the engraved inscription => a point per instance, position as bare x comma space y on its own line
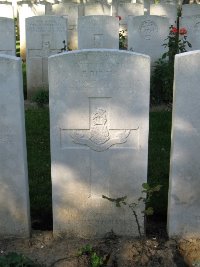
148, 29
45, 26
98, 137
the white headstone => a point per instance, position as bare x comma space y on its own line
14, 196
98, 32
71, 12
192, 25
27, 10
190, 10
45, 36
7, 36
99, 139
146, 35
184, 186
129, 9
165, 10
91, 9
6, 10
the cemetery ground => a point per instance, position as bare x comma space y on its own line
154, 250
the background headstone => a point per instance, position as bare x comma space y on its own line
71, 11
91, 9
98, 32
26, 10
146, 35
165, 10
14, 196
190, 10
129, 9
44, 37
192, 25
184, 186
99, 139
7, 36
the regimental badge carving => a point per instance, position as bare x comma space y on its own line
99, 137
148, 28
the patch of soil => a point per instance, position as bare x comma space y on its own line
116, 251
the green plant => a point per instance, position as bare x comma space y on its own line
13, 259
123, 39
41, 97
163, 73
147, 193
95, 260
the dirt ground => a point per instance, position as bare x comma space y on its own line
116, 251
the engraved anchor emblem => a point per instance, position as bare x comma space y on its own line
99, 138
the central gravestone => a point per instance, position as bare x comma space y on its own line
99, 139
44, 37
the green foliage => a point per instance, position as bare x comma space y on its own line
163, 72
41, 97
95, 260
123, 39
13, 259
148, 191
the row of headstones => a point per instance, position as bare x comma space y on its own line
73, 11
99, 124
45, 36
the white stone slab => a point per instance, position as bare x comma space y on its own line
7, 36
14, 196
98, 32
184, 186
99, 139
146, 35
45, 36
192, 25
129, 9
71, 11
27, 10
190, 10
165, 10
6, 10
97, 9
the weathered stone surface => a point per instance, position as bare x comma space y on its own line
99, 139
7, 36
71, 11
27, 10
192, 25
166, 10
91, 9
146, 35
190, 10
184, 186
44, 37
14, 198
98, 32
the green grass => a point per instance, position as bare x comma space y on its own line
159, 155
38, 150
37, 129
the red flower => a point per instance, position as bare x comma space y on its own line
119, 17
182, 31
174, 30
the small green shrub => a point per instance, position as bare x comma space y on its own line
41, 97
13, 259
95, 260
